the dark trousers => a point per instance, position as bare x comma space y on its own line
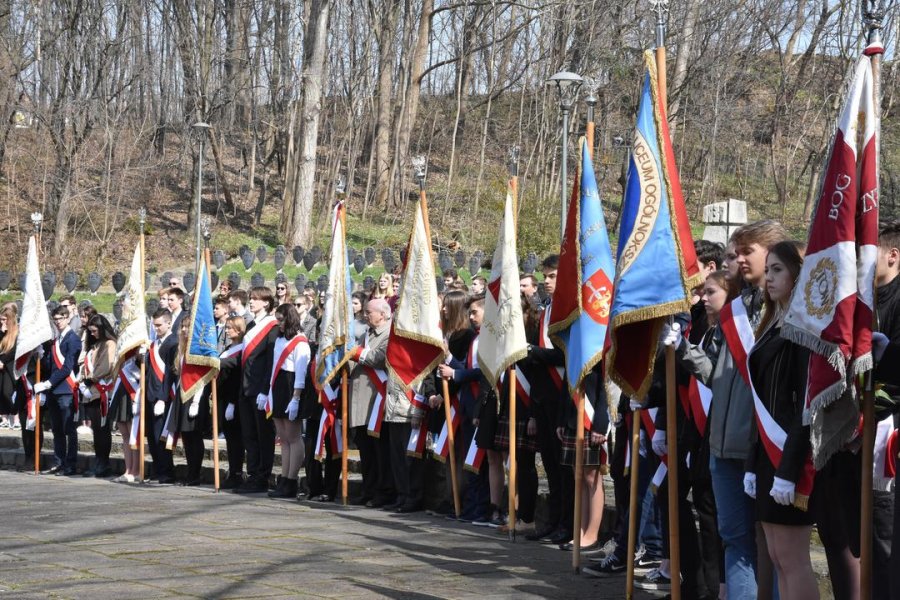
65, 434
526, 485
476, 497
102, 435
408, 472
693, 585
370, 465
28, 436
234, 440
712, 554
321, 477
193, 453
163, 466
258, 433
550, 448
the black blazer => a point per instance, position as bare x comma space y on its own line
156, 388
257, 370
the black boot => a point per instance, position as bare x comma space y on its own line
278, 492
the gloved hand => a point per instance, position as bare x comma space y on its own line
671, 335
84, 390
634, 404
879, 345
783, 491
143, 349
159, 408
293, 408
135, 408
750, 484
40, 352
42, 398
659, 442
229, 412
194, 408
261, 401
41, 387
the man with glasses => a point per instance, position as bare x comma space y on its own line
59, 393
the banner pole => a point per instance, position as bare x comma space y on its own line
215, 398
672, 473
142, 396
513, 467
633, 502
579, 483
37, 420
345, 459
451, 440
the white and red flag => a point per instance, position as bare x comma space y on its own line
34, 325
501, 341
831, 308
416, 343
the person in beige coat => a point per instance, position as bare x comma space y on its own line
369, 365
95, 377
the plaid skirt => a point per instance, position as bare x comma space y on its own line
594, 456
523, 440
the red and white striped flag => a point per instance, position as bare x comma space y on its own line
831, 308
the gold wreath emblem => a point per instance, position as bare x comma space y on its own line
821, 287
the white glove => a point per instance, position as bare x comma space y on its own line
229, 412
143, 349
635, 405
84, 390
194, 408
293, 408
659, 442
40, 352
783, 491
261, 401
41, 387
671, 335
159, 408
42, 398
879, 345
750, 484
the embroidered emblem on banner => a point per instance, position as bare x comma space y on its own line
820, 288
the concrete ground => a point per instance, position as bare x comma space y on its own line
74, 537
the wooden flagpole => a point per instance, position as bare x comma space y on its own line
345, 459
579, 483
37, 368
873, 13
451, 449
143, 393
633, 502
513, 466
215, 398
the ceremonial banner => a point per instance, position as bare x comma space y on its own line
416, 343
501, 341
831, 307
584, 286
201, 361
34, 325
133, 331
657, 265
336, 341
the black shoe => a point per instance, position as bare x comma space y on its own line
231, 482
52, 470
278, 492
166, 481
192, 482
591, 549
102, 473
541, 535
410, 508
360, 501
375, 503
88, 473
252, 487
560, 537
392, 506
70, 472
323, 498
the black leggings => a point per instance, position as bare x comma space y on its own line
102, 434
193, 453
526, 485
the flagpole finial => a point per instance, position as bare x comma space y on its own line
206, 226
513, 160
873, 12
420, 165
662, 11
593, 84
36, 220
340, 187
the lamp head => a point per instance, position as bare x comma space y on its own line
36, 220
567, 84
419, 167
205, 228
513, 159
340, 187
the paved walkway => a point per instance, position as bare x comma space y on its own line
86, 538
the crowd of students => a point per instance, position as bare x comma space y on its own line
745, 522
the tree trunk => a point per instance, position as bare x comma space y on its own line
315, 48
382, 165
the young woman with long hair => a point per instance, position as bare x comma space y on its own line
188, 416
384, 287
778, 372
229, 389
287, 381
96, 378
9, 332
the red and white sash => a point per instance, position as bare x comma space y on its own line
329, 397
556, 373
442, 443
648, 420
697, 397
256, 335
59, 360
472, 363
884, 455
285, 353
29, 403
378, 377
232, 350
417, 438
740, 339
103, 387
475, 455
156, 362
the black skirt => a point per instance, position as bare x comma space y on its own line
282, 392
487, 423
594, 456
769, 511
120, 407
182, 422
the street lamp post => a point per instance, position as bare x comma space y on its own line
201, 128
567, 85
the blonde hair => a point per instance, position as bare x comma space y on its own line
8, 341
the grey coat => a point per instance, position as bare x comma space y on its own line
362, 391
731, 413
